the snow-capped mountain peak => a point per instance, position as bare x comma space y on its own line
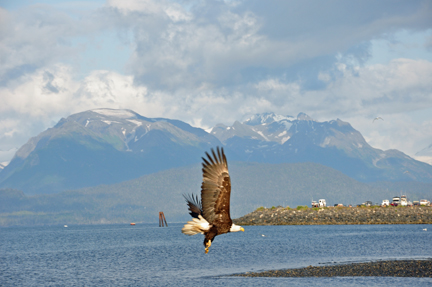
122, 114
304, 117
266, 118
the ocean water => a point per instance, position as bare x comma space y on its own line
148, 255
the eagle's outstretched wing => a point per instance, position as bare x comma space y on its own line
194, 204
216, 188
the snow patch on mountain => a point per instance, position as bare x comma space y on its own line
261, 134
286, 123
122, 114
326, 142
376, 160
284, 136
109, 122
137, 123
278, 118
284, 139
304, 117
266, 118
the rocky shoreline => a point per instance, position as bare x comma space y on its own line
303, 215
402, 268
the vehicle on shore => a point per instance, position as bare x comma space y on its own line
385, 202
314, 204
424, 202
322, 203
403, 200
395, 201
416, 202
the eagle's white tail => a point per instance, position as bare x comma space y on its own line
197, 225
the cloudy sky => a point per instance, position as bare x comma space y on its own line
210, 62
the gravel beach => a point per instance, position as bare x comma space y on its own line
337, 215
344, 215
403, 268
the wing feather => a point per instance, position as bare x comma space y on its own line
216, 188
194, 204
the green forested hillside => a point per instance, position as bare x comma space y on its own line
140, 200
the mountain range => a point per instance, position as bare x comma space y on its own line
103, 146
107, 146
275, 139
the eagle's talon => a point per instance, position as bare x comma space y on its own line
208, 244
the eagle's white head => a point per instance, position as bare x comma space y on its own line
235, 228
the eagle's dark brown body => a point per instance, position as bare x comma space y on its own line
214, 207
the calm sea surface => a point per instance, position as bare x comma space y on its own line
148, 255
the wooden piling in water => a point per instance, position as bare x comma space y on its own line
162, 219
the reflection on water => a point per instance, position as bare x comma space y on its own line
144, 255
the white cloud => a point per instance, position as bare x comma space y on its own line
174, 11
34, 38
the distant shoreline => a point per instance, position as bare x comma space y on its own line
393, 268
337, 216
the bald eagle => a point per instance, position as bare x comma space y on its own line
211, 215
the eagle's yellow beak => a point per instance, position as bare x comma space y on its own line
242, 229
